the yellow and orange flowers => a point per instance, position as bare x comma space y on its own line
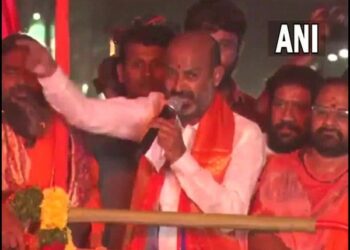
54, 209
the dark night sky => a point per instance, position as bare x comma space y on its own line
92, 19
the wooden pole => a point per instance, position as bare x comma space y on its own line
237, 222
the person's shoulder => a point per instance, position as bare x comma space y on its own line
249, 99
246, 124
245, 105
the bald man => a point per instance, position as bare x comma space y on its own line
207, 161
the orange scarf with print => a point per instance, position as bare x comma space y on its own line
212, 149
49, 157
43, 165
52, 161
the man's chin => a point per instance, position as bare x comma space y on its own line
286, 140
284, 145
331, 150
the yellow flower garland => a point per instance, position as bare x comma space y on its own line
54, 212
54, 209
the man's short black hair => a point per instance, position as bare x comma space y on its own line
293, 74
149, 35
213, 15
9, 42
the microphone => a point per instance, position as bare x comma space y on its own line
168, 112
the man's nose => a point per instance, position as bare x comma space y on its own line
330, 119
147, 70
288, 113
178, 83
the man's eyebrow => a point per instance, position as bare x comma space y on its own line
332, 106
192, 70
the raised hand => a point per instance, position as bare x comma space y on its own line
39, 60
170, 138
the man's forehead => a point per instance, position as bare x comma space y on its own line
186, 61
188, 51
140, 47
221, 35
15, 57
295, 90
333, 95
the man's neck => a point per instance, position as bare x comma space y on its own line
325, 168
228, 90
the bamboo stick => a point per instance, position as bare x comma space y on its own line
238, 222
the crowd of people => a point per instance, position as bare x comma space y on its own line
283, 154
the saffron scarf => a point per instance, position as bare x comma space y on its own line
57, 159
44, 164
212, 149
325, 202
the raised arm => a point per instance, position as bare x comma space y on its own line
117, 117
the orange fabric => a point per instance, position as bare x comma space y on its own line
49, 157
62, 35
10, 22
338, 239
213, 155
286, 189
95, 199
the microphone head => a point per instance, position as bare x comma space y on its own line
175, 103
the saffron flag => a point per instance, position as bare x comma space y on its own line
62, 35
10, 20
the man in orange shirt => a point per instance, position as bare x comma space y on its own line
312, 182
38, 148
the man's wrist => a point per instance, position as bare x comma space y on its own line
185, 165
52, 69
178, 155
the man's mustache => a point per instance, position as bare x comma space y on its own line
183, 94
23, 93
323, 130
25, 109
289, 125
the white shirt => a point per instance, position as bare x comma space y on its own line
118, 117
123, 118
232, 196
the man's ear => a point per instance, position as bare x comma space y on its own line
239, 52
219, 72
120, 72
241, 48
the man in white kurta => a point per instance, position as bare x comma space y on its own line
128, 119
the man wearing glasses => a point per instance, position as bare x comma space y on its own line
313, 181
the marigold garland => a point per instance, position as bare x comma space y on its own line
54, 209
51, 205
